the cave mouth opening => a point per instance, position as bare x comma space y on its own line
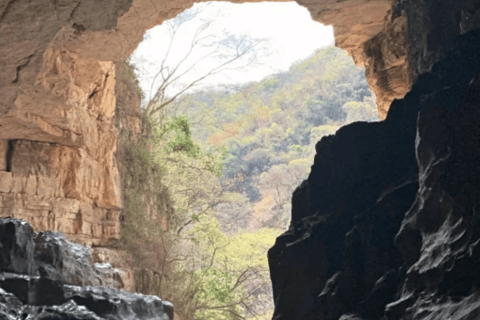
231, 149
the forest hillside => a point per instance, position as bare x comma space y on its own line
208, 181
269, 129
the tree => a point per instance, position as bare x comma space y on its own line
194, 257
277, 185
223, 52
171, 184
223, 277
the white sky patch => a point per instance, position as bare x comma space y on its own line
293, 36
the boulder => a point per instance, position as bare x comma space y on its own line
45, 276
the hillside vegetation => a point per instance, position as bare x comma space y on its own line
207, 185
269, 130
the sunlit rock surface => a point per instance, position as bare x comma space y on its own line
44, 276
386, 226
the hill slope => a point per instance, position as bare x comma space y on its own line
269, 130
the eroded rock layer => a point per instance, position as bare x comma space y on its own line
415, 35
58, 169
386, 226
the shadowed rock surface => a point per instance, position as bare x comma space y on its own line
35, 273
386, 226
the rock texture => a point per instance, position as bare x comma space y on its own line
44, 276
415, 35
386, 226
359, 27
51, 255
57, 122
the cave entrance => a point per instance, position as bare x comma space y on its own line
233, 102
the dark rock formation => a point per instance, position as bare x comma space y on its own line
35, 270
387, 226
68, 262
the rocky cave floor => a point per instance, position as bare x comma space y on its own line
44, 276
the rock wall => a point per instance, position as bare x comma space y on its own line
415, 35
58, 141
386, 226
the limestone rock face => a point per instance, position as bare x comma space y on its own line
58, 169
386, 226
61, 188
417, 34
386, 63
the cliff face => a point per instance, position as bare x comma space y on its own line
58, 170
386, 226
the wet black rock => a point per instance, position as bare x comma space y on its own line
65, 261
344, 220
35, 273
52, 255
387, 224
16, 247
12, 309
109, 302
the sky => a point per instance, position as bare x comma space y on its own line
288, 31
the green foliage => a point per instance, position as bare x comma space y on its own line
208, 186
177, 133
318, 132
227, 268
284, 115
358, 111
171, 186
127, 73
147, 202
269, 83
